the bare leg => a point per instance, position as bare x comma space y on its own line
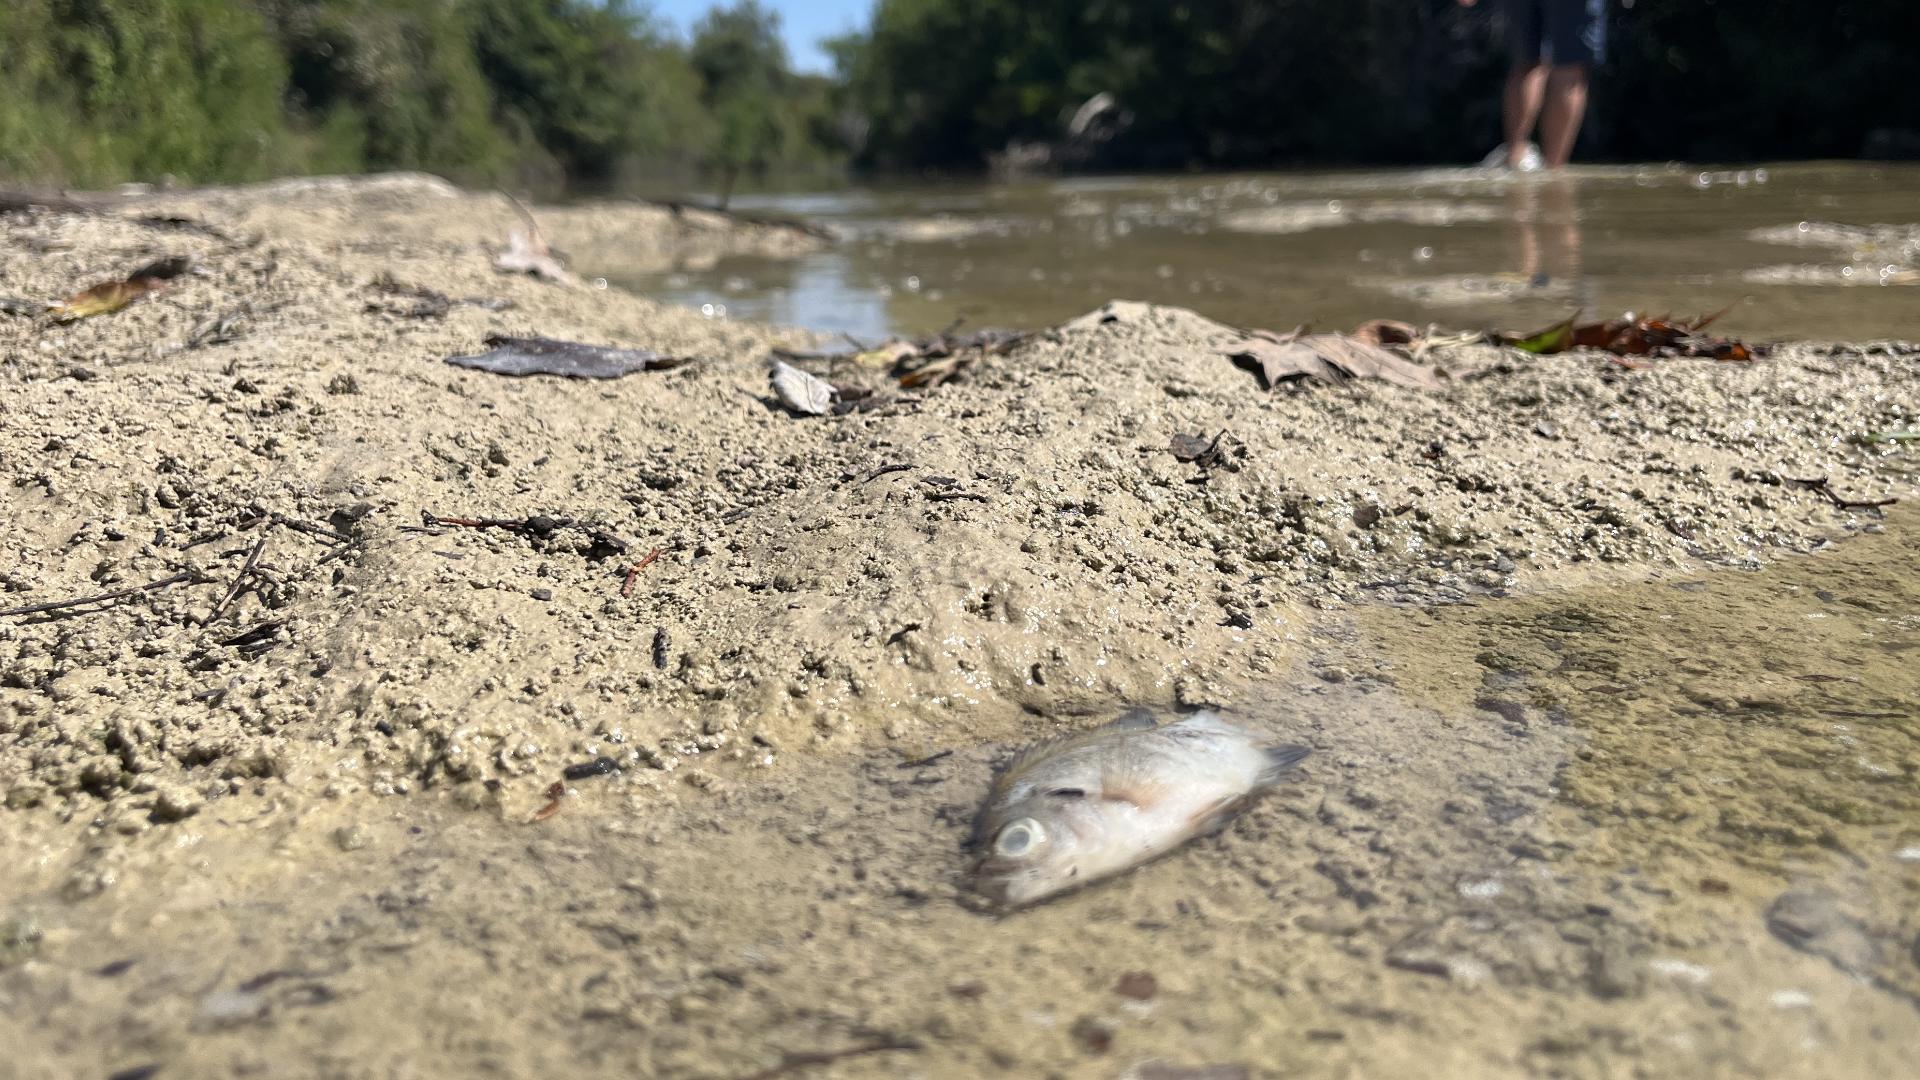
1526, 86
1566, 105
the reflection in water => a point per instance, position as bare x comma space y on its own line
1459, 247
1544, 218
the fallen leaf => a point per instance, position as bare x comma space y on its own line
519, 356
888, 354
1196, 448
111, 296
1556, 338
1629, 337
803, 394
1385, 332
1331, 358
934, 372
527, 251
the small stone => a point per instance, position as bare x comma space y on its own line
222, 1008
352, 837
699, 778
1138, 985
542, 594
1094, 1036
1334, 673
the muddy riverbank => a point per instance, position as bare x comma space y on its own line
1548, 836
338, 715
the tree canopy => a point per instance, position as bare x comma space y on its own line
550, 92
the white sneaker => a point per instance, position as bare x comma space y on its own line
1530, 160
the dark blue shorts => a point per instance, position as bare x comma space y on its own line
1557, 31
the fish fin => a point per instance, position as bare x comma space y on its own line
1281, 760
1138, 718
1133, 788
1213, 818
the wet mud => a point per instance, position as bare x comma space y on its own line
1662, 829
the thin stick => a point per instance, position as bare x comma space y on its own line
794, 1060
312, 528
239, 582
1840, 502
35, 609
626, 589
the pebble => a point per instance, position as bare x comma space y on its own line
1791, 999
225, 1007
1680, 970
352, 837
1094, 1036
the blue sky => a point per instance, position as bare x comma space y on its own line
805, 22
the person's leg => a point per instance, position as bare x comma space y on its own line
1576, 36
1526, 77
1566, 105
1526, 88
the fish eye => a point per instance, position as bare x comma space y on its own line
1019, 838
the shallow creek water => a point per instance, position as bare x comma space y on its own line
1810, 251
1658, 829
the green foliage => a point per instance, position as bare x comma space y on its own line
594, 84
396, 80
764, 115
98, 91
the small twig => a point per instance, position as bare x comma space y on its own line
1819, 484
791, 1061
928, 760
884, 470
194, 576
239, 582
626, 588
312, 528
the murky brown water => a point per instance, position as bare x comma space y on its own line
1457, 247
1664, 829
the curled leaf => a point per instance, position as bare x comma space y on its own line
527, 251
803, 393
1330, 358
1385, 332
1554, 339
111, 296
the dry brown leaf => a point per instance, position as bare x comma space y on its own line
1385, 332
1330, 358
111, 296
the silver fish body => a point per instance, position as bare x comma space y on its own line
1088, 806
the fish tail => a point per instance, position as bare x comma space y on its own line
1281, 760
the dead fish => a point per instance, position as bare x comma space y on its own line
1085, 807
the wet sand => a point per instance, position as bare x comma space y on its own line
1540, 836
306, 823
